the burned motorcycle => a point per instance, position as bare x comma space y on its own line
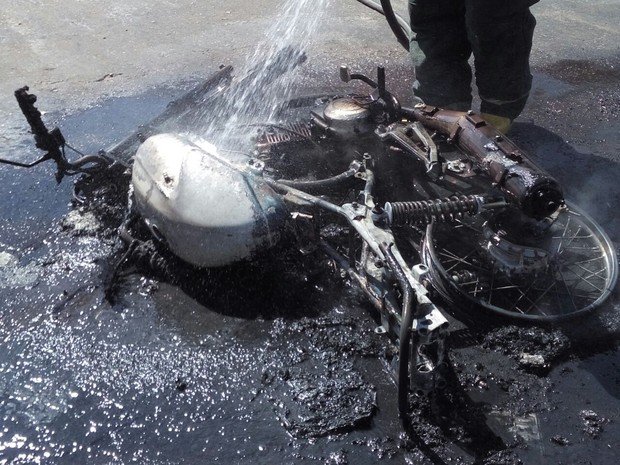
434, 214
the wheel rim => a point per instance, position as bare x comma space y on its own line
581, 271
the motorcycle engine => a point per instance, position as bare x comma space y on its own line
345, 117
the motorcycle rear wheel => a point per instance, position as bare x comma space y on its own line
580, 275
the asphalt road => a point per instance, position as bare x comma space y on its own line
83, 382
74, 52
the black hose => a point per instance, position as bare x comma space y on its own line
406, 320
320, 183
392, 19
404, 347
400, 27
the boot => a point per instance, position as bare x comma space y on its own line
501, 123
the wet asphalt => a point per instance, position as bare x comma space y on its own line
211, 374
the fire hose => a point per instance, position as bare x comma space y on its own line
400, 27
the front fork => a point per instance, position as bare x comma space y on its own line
397, 290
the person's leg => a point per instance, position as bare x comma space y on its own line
440, 50
500, 34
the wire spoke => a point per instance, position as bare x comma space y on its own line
578, 272
534, 303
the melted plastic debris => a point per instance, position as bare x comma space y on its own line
81, 222
12, 275
560, 440
318, 391
592, 423
534, 348
535, 361
311, 404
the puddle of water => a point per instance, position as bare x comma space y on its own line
545, 86
583, 71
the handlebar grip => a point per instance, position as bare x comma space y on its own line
49, 141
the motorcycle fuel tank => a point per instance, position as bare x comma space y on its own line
209, 210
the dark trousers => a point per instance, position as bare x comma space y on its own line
497, 32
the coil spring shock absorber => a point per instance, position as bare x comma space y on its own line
423, 212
